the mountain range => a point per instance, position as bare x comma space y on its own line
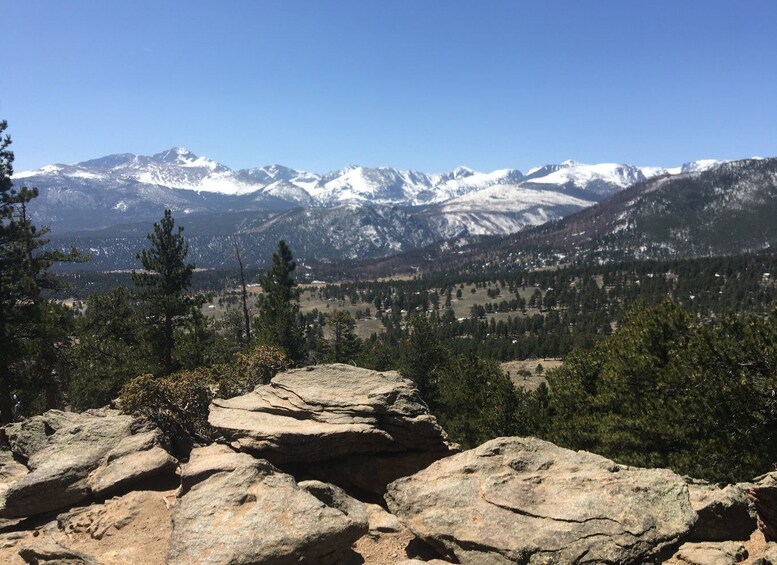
726, 210
352, 213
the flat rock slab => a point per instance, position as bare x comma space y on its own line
523, 500
710, 553
211, 459
328, 413
258, 515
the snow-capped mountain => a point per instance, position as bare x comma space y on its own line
180, 169
726, 210
127, 188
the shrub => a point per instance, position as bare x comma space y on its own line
255, 367
179, 402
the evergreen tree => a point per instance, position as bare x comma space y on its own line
344, 345
111, 349
478, 401
422, 356
163, 284
278, 323
29, 327
666, 391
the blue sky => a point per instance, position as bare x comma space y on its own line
426, 85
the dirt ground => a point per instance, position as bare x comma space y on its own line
130, 529
513, 368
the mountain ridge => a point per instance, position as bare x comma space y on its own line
354, 213
726, 210
180, 168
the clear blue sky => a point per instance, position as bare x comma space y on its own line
421, 84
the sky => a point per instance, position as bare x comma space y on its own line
426, 85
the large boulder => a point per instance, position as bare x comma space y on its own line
523, 500
337, 419
724, 513
32, 435
256, 514
73, 458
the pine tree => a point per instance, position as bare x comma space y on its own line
29, 330
163, 283
344, 345
111, 349
279, 320
422, 356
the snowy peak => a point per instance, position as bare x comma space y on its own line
696, 166
462, 172
175, 155
182, 157
600, 180
271, 174
537, 172
381, 185
180, 168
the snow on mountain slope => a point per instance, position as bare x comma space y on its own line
580, 175
511, 198
463, 181
126, 187
382, 185
179, 168
506, 208
695, 166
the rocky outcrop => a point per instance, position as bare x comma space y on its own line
378, 520
511, 500
724, 513
763, 493
73, 458
211, 459
710, 553
336, 420
256, 514
769, 556
523, 500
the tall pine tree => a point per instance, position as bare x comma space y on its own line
279, 321
163, 283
